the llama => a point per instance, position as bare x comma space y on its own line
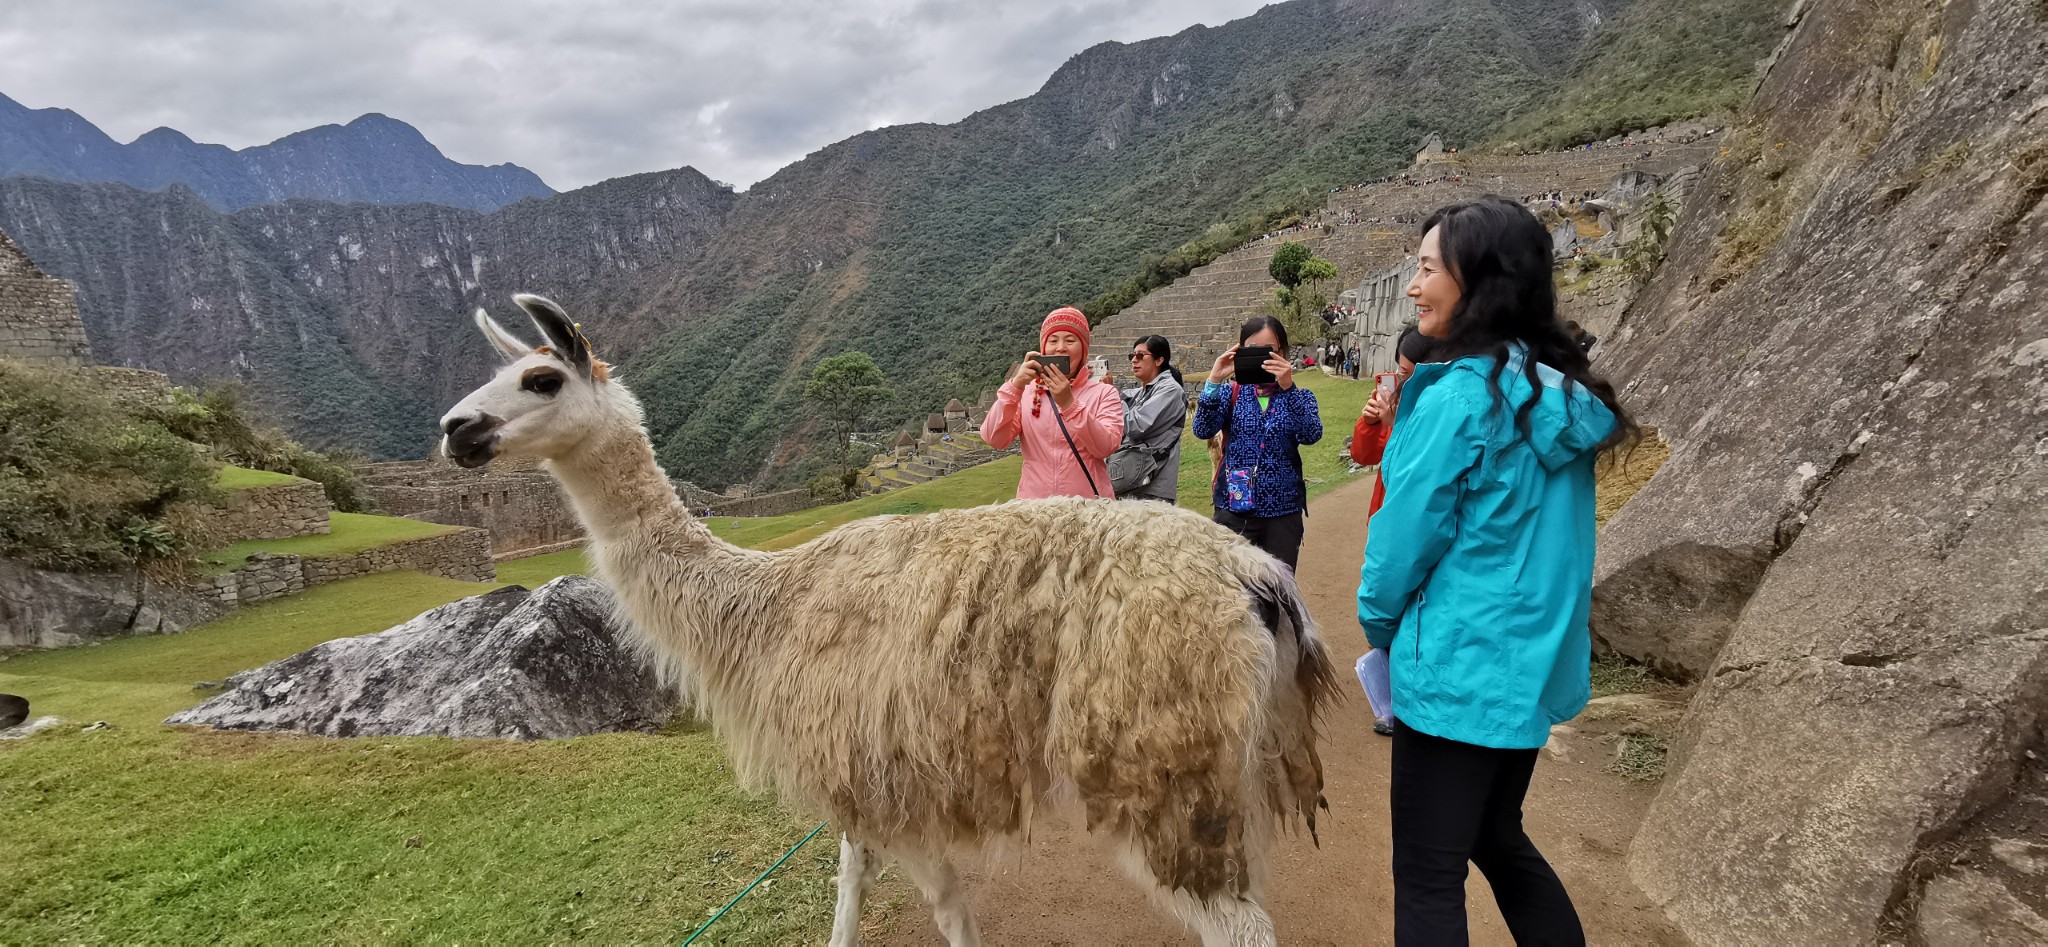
926, 682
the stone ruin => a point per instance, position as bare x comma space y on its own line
517, 504
945, 442
39, 318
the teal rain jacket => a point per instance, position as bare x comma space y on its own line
1478, 571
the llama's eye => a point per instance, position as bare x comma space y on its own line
545, 384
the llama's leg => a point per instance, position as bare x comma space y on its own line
934, 875
1227, 921
1220, 920
857, 869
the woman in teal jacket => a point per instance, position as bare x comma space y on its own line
1478, 570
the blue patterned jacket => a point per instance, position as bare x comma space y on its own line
1291, 421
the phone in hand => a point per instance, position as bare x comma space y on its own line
1251, 365
1065, 363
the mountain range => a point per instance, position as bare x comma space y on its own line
375, 159
934, 248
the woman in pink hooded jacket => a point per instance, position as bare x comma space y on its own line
1069, 424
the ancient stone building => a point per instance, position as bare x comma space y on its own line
38, 314
520, 507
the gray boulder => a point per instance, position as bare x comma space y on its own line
508, 664
1848, 549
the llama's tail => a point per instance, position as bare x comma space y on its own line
1303, 686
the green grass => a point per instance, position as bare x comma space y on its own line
232, 477
350, 533
535, 571
147, 834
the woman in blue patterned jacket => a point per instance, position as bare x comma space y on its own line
1259, 491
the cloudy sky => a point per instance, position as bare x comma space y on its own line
577, 90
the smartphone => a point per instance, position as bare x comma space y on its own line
1390, 382
1065, 363
1251, 365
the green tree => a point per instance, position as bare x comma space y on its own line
1300, 306
846, 390
1287, 262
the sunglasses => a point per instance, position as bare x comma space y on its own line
1138, 355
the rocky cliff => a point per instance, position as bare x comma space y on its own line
1848, 350
375, 159
350, 321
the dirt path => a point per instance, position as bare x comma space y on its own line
1063, 890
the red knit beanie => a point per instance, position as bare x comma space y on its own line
1066, 319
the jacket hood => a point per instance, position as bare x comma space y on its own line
1564, 426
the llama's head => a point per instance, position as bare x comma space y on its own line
544, 402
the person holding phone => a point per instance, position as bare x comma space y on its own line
1073, 420
1376, 422
1478, 573
1264, 419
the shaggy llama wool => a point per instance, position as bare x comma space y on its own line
927, 681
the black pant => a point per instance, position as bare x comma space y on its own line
1454, 802
1279, 536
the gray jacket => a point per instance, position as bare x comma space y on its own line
1154, 415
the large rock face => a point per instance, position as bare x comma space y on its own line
45, 608
510, 663
1848, 350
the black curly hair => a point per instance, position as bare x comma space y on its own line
1500, 255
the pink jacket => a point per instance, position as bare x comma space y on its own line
1095, 420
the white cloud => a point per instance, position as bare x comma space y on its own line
578, 92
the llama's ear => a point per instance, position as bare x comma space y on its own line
505, 342
565, 336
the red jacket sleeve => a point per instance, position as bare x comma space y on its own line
1368, 442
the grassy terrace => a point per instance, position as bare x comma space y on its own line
242, 478
349, 533
145, 834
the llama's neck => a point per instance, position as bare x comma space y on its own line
691, 594
621, 494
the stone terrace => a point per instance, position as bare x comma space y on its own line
1199, 314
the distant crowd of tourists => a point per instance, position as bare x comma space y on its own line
1476, 584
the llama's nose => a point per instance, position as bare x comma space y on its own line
449, 425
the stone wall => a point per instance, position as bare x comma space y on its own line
288, 509
766, 504
38, 315
521, 508
463, 554
133, 386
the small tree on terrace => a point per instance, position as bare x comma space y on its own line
1300, 300
1286, 265
846, 390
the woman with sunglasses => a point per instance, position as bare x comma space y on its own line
1147, 466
